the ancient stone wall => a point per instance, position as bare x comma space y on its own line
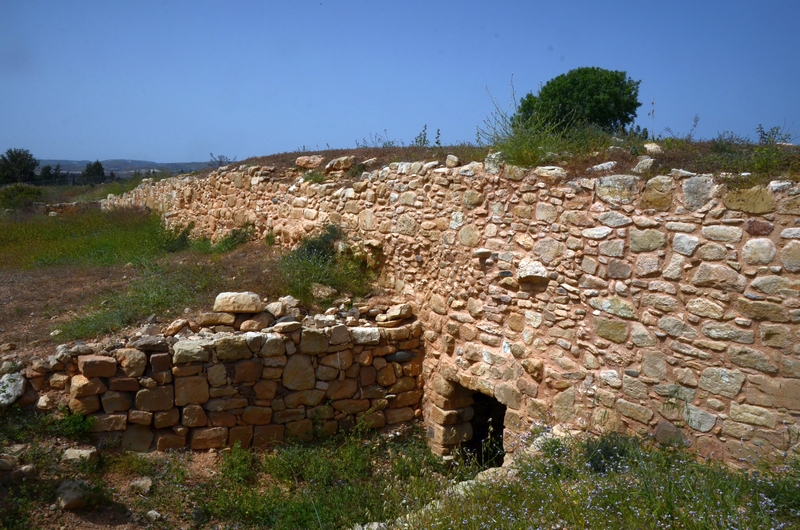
667, 306
240, 375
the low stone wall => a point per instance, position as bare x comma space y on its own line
246, 374
666, 306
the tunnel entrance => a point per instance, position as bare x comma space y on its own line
486, 445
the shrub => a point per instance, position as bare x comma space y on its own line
588, 95
19, 196
314, 176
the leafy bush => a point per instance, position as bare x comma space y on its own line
19, 196
592, 96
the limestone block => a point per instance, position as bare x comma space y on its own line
761, 310
257, 415
719, 277
131, 361
549, 250
366, 335
298, 374
751, 358
305, 398
698, 419
753, 415
790, 256
344, 389
449, 434
244, 302
156, 399
166, 418
116, 401
274, 345
613, 330
647, 240
757, 200
208, 438
97, 366
313, 341
81, 386
84, 405
722, 233
704, 307
616, 189
530, 270
188, 351
232, 347
657, 194
109, 422
759, 251
615, 306
697, 192
340, 360
166, 440
266, 435
400, 415
301, 431
248, 371
193, 416
634, 411
191, 390
722, 382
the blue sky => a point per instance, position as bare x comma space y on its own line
172, 81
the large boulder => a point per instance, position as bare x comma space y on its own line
246, 302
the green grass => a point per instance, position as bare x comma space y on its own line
20, 425
622, 483
331, 484
317, 260
86, 238
158, 289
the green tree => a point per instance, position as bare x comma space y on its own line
588, 95
17, 165
94, 173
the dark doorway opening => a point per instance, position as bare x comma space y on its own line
486, 445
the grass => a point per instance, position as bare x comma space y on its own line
611, 482
89, 238
17, 425
345, 480
623, 482
320, 260
157, 289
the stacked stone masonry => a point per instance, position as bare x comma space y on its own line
666, 306
247, 373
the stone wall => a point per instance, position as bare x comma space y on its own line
667, 306
247, 372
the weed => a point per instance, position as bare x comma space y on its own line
269, 238
157, 290
240, 465
323, 259
356, 171
18, 425
314, 176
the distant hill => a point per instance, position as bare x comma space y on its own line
126, 168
